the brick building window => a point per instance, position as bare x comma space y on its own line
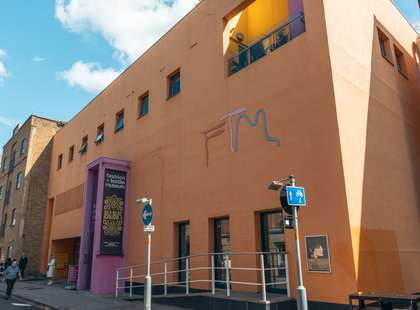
59, 161
22, 147
174, 84
1, 192
71, 153
144, 105
100, 135
13, 219
400, 61
4, 164
84, 146
384, 45
7, 194
19, 180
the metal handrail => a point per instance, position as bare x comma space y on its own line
200, 255
225, 268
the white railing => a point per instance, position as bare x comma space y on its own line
209, 270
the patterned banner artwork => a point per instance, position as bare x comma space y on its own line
113, 212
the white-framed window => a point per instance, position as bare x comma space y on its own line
19, 179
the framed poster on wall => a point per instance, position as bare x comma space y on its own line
318, 253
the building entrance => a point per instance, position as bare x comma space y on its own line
183, 248
272, 240
221, 245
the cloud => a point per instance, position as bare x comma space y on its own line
129, 26
38, 59
416, 25
3, 70
88, 76
8, 121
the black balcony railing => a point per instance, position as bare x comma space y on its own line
268, 43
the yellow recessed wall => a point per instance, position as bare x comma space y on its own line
259, 18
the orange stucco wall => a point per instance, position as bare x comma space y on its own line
378, 114
298, 90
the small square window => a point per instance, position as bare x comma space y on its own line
400, 61
384, 45
71, 153
100, 134
174, 83
144, 105
60, 161
13, 220
119, 121
84, 146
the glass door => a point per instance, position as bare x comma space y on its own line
183, 248
221, 245
272, 240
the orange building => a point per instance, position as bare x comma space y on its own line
237, 94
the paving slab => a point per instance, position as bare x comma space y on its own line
56, 297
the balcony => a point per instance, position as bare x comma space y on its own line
268, 43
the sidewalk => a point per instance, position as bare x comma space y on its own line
56, 297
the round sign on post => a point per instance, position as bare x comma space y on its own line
147, 214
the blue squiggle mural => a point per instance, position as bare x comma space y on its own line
259, 112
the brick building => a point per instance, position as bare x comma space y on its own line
23, 189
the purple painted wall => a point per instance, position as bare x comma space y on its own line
296, 7
103, 271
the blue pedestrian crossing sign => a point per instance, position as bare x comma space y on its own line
296, 196
147, 214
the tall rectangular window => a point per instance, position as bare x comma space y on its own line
1, 192
4, 164
119, 121
13, 219
71, 153
174, 83
183, 247
19, 179
384, 45
144, 105
100, 134
7, 194
60, 161
22, 147
84, 146
400, 61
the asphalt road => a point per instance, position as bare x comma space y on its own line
12, 304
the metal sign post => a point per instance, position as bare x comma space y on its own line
302, 300
147, 216
291, 198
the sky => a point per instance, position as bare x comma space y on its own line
55, 56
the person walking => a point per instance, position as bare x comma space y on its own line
23, 261
11, 274
51, 270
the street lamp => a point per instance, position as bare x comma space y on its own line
302, 301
